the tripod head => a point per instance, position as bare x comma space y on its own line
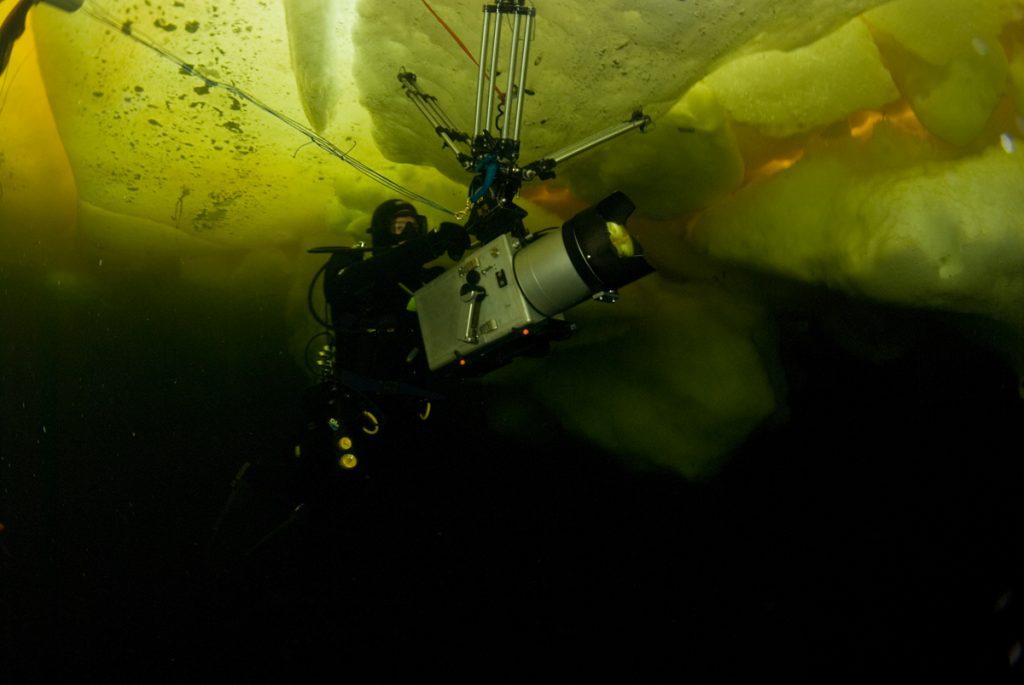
492, 151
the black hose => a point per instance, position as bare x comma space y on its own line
309, 298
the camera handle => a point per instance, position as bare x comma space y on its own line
471, 294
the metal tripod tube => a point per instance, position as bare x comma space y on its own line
480, 74
427, 114
431, 102
444, 115
512, 54
452, 144
596, 139
496, 48
421, 103
527, 38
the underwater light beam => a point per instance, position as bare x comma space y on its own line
101, 15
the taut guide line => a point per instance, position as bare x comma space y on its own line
100, 14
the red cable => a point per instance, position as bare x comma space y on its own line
450, 32
459, 41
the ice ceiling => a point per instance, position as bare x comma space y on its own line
872, 147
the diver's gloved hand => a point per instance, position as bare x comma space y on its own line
453, 238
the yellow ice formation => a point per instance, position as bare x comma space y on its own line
870, 146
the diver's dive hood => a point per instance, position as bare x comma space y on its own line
384, 218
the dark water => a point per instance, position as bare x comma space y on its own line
874, 531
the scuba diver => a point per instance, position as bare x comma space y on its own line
377, 391
371, 424
372, 308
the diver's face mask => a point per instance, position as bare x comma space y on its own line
406, 226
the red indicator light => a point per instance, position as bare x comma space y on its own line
462, 362
526, 331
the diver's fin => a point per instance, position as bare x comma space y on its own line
11, 30
14, 24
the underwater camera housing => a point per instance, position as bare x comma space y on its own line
506, 297
507, 294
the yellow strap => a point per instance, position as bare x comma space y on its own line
375, 428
